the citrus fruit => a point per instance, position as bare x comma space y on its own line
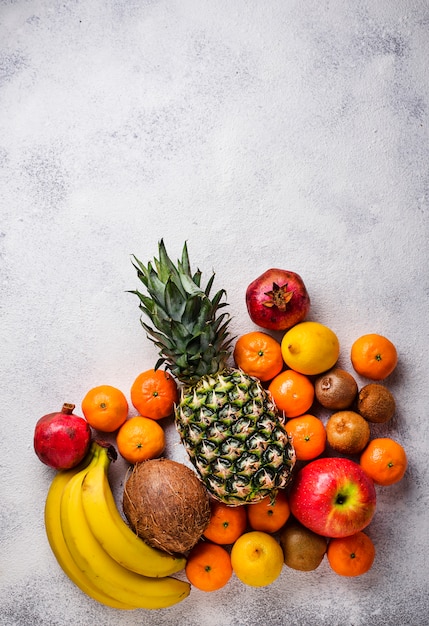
208, 566
292, 392
139, 439
302, 548
308, 436
310, 348
269, 514
105, 408
347, 432
352, 555
226, 523
258, 354
376, 403
336, 389
154, 394
257, 558
384, 460
374, 356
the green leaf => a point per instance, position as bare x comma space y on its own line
190, 312
184, 265
174, 302
217, 298
209, 285
189, 286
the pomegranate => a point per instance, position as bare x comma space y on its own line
61, 440
277, 300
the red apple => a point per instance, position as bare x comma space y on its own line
333, 497
277, 300
61, 439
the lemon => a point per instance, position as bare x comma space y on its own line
257, 558
310, 348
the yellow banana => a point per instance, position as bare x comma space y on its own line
104, 572
112, 532
56, 539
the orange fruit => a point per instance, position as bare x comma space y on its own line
258, 354
269, 514
384, 460
308, 436
105, 408
226, 523
292, 392
373, 356
351, 556
154, 394
139, 439
208, 566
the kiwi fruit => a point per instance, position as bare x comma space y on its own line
302, 548
376, 403
336, 389
347, 432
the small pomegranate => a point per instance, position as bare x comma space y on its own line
277, 300
61, 440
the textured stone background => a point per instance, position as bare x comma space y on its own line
277, 133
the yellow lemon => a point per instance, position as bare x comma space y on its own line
310, 348
257, 558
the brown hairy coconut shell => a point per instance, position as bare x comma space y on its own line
166, 505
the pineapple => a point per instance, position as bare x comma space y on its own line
227, 422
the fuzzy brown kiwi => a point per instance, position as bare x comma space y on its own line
376, 403
347, 432
336, 389
302, 548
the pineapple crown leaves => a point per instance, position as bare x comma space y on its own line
188, 330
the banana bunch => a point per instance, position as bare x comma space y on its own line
97, 550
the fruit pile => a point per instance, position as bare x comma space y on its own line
332, 496
96, 548
279, 483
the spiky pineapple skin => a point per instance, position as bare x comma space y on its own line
234, 437
227, 421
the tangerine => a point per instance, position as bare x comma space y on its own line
292, 392
105, 408
373, 356
384, 460
308, 436
226, 523
269, 514
258, 354
139, 439
154, 394
352, 555
208, 566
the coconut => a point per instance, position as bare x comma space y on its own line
166, 505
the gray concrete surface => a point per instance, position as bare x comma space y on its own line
278, 133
